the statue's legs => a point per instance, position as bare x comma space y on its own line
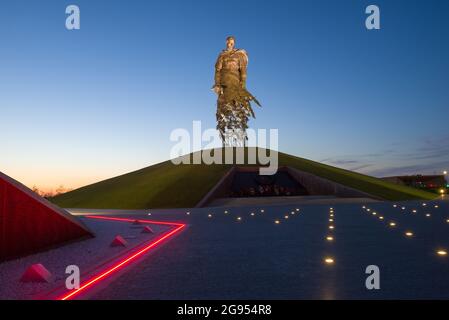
233, 112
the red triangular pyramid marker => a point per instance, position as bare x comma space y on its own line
36, 273
147, 229
119, 242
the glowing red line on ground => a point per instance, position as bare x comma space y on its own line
132, 220
128, 260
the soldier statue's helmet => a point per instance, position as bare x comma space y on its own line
230, 38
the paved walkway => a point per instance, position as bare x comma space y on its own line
227, 253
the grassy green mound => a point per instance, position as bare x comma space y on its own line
166, 185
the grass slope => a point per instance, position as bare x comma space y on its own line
374, 186
166, 185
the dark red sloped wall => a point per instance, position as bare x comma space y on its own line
29, 223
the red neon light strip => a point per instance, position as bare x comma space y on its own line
125, 261
132, 220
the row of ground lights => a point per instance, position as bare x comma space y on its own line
253, 214
330, 236
393, 224
287, 216
239, 218
414, 211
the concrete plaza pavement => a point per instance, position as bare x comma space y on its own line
243, 253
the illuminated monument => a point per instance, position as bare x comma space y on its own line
234, 101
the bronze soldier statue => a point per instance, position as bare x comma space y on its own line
234, 101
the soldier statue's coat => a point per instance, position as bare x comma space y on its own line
233, 104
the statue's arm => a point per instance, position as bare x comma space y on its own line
218, 67
243, 61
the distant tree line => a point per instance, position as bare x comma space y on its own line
51, 193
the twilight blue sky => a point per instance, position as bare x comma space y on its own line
80, 106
